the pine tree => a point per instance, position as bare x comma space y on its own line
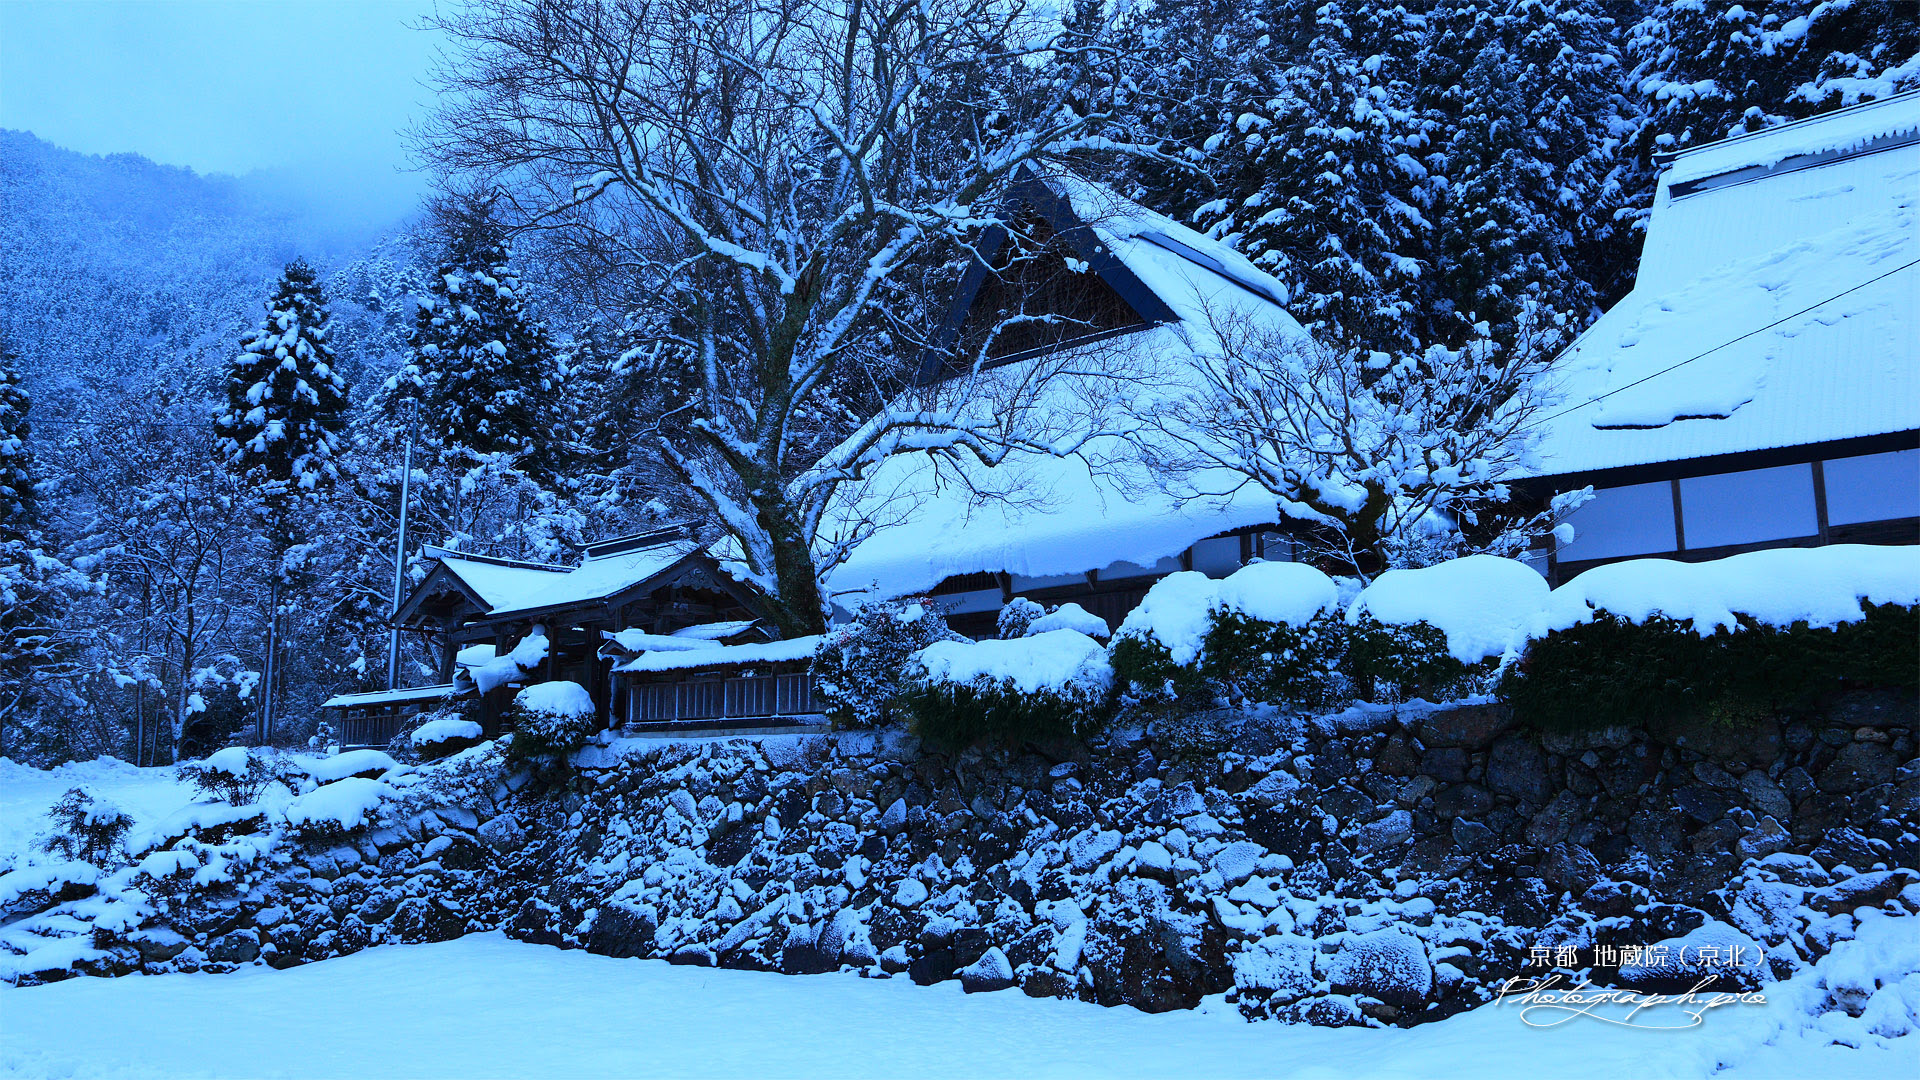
286, 406
37, 592
16, 458
1707, 71
483, 369
281, 434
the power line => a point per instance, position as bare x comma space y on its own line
1724, 344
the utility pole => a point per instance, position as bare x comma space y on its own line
400, 551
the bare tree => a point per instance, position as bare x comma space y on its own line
1388, 461
777, 174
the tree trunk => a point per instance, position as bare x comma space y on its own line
797, 609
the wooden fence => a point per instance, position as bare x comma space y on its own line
370, 729
751, 697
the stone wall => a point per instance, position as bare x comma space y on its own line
1378, 866
1157, 871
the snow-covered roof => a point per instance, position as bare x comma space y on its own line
404, 696
716, 655
1074, 514
1775, 303
520, 588
496, 582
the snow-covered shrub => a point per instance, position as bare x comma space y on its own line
551, 719
236, 775
366, 763
322, 740
86, 827
857, 671
1053, 685
1438, 631
444, 735
1071, 617
1726, 640
336, 810
1019, 614
1269, 632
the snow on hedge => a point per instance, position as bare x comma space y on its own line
1179, 608
352, 763
1822, 587
1070, 616
445, 729
234, 761
557, 698
345, 804
1484, 604
1291, 594
1054, 660
1174, 613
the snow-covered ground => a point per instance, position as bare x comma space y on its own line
147, 795
487, 1006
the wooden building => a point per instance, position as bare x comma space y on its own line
1094, 296
1760, 386
477, 609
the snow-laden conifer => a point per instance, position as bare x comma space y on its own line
286, 404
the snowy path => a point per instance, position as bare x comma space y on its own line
485, 1006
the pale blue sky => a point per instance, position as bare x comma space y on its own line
316, 88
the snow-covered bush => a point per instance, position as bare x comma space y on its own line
857, 671
322, 739
551, 719
338, 809
1019, 614
444, 735
1724, 640
1270, 632
236, 775
1071, 617
1437, 631
1052, 685
86, 827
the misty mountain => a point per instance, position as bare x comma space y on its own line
112, 266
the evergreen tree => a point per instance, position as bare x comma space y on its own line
1522, 98
38, 649
16, 458
1299, 137
483, 370
286, 407
1706, 71
280, 433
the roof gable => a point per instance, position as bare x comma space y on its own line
1053, 263
1775, 310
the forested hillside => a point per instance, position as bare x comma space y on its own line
1429, 181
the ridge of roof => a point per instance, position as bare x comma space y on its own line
1855, 129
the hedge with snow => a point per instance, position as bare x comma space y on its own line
1620, 644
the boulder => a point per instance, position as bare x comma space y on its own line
1386, 964
620, 930
1516, 767
989, 973
1857, 767
1473, 727
1462, 800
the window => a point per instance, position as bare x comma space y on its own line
1873, 487
1218, 556
1748, 507
1633, 520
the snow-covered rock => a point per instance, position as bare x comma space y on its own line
1391, 965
